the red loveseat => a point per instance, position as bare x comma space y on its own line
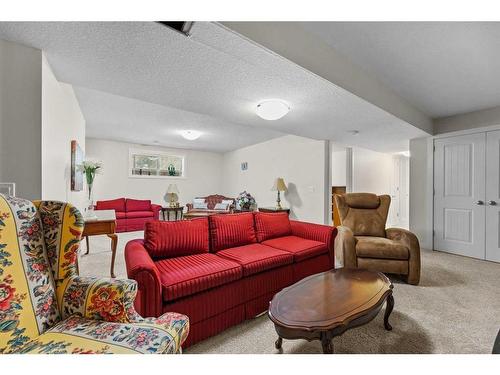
131, 214
223, 269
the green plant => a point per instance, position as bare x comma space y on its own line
91, 168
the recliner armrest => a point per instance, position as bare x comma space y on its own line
408, 239
141, 268
345, 248
316, 232
404, 236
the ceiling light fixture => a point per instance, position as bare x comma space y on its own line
183, 27
190, 134
272, 109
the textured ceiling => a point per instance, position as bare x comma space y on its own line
115, 117
212, 80
442, 68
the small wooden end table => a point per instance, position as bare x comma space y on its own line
327, 304
179, 212
104, 224
273, 209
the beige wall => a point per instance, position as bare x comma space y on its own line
20, 118
300, 161
339, 164
62, 122
203, 173
421, 190
372, 172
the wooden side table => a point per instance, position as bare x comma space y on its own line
274, 209
105, 223
179, 212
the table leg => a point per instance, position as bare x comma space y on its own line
278, 343
114, 243
87, 243
388, 310
327, 345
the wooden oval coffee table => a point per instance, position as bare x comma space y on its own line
327, 304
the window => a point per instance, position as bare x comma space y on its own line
155, 164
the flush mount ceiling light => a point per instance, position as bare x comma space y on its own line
272, 109
190, 134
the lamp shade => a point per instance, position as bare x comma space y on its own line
172, 189
279, 185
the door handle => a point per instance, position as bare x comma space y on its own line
479, 203
492, 203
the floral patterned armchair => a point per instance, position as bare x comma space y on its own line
45, 307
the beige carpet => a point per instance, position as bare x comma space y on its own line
455, 309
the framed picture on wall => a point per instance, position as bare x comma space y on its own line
8, 188
76, 167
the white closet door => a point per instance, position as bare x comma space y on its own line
493, 196
459, 182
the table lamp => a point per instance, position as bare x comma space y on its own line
173, 191
279, 185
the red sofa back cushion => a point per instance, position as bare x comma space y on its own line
114, 204
168, 239
272, 225
231, 230
138, 205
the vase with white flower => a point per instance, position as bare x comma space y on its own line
246, 202
90, 169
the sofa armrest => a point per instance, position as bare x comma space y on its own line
408, 239
316, 232
111, 300
141, 268
156, 208
345, 248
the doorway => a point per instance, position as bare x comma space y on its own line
467, 195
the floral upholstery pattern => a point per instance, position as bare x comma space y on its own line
28, 304
83, 336
45, 307
101, 299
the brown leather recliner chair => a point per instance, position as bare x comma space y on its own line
365, 243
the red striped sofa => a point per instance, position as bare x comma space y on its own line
131, 214
223, 269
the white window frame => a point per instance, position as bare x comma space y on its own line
135, 151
